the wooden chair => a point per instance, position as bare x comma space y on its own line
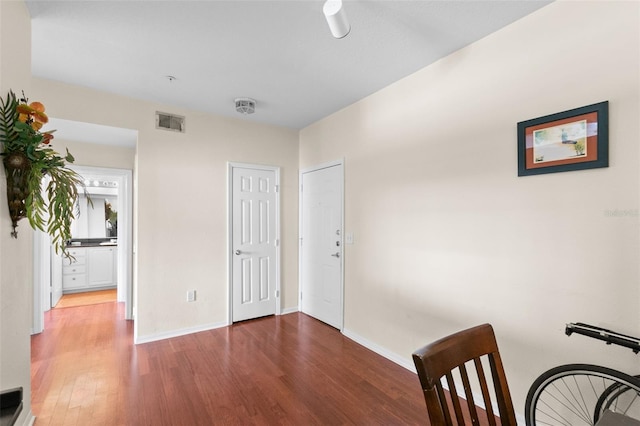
464, 351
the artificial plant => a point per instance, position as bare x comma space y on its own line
30, 164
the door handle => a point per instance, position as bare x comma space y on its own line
337, 254
238, 252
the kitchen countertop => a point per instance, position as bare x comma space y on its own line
92, 242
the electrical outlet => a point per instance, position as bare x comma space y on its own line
349, 238
191, 296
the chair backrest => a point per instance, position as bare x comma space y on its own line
464, 351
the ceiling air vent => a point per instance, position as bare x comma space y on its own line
169, 122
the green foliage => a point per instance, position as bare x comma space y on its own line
8, 116
62, 192
52, 210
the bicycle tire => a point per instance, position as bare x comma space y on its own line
576, 394
617, 398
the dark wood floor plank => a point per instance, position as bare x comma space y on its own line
287, 370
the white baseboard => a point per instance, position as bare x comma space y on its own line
184, 331
391, 356
177, 333
408, 364
289, 310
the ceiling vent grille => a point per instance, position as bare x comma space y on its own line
171, 122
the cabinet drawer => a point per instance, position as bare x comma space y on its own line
73, 281
74, 268
79, 255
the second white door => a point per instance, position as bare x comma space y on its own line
321, 294
253, 242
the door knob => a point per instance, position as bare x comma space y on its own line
337, 254
238, 252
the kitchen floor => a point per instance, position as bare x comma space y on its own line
87, 298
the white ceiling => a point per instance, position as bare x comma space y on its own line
280, 53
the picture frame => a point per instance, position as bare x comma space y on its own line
576, 139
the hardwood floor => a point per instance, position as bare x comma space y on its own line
87, 298
290, 370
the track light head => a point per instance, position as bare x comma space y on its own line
336, 18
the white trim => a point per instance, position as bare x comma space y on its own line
41, 280
339, 162
234, 165
30, 419
41, 276
380, 350
321, 166
409, 365
177, 333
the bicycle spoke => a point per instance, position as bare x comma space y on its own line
577, 394
560, 420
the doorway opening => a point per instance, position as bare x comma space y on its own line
112, 258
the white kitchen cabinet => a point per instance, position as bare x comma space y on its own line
100, 260
74, 273
93, 267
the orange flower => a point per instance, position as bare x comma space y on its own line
37, 106
24, 109
41, 117
35, 111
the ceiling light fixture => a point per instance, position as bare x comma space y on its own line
336, 18
245, 106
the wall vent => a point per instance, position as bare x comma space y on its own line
171, 122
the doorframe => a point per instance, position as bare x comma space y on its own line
340, 162
41, 279
42, 246
230, 167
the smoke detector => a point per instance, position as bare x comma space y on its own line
245, 106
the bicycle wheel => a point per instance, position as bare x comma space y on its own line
618, 398
577, 394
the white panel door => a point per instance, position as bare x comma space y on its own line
254, 239
321, 245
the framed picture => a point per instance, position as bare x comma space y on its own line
571, 140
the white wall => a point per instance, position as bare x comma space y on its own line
447, 236
16, 255
181, 197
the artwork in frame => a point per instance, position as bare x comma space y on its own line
571, 140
